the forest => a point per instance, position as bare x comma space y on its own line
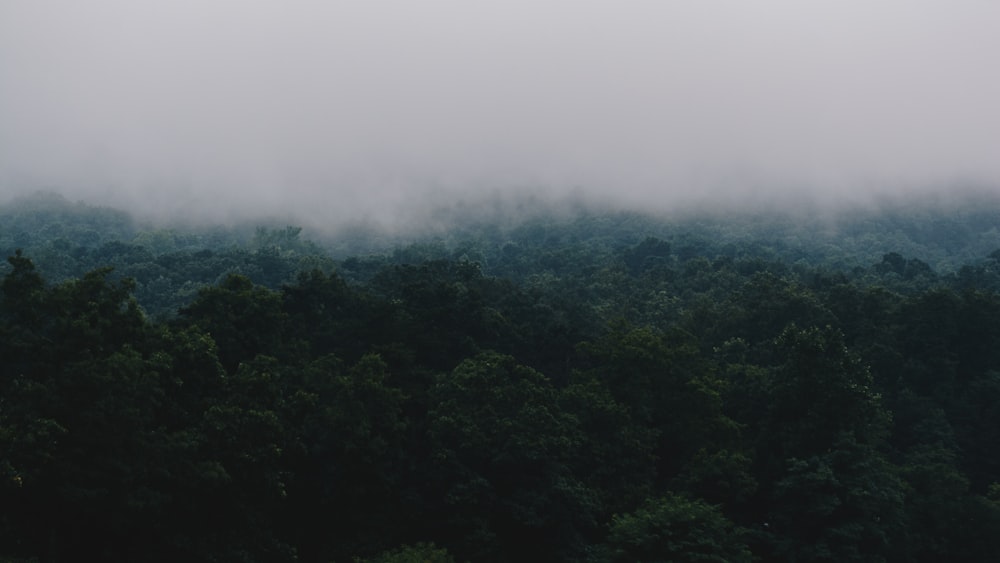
589, 384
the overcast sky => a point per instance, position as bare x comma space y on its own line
338, 107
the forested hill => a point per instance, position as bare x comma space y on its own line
897, 246
587, 386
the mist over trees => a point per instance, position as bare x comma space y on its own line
338, 109
499, 281
593, 385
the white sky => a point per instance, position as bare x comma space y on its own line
339, 107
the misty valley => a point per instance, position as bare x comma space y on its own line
532, 383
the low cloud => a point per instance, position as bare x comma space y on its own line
339, 110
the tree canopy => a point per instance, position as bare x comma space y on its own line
604, 387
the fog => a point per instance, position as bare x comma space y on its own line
338, 111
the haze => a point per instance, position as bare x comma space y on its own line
339, 110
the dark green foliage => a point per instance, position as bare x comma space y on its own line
819, 392
650, 254
353, 433
845, 504
565, 388
243, 319
666, 386
672, 528
22, 292
420, 553
616, 458
502, 447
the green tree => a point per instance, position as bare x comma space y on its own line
81, 405
830, 495
347, 479
673, 528
22, 292
502, 445
667, 386
842, 505
244, 320
819, 392
616, 457
419, 553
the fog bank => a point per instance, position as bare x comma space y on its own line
339, 110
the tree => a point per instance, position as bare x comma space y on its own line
673, 528
243, 319
81, 405
842, 505
648, 254
419, 553
502, 446
819, 392
830, 494
616, 457
667, 386
347, 478
22, 290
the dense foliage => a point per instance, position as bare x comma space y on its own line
588, 387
